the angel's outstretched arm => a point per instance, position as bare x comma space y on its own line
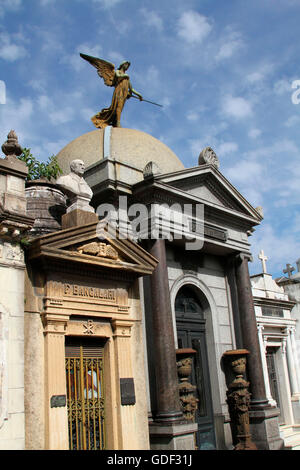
132, 91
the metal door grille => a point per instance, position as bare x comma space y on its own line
85, 397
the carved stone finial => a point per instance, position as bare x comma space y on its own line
151, 169
208, 156
12, 148
260, 210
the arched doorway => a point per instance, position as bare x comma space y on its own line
190, 324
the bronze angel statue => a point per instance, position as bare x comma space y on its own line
123, 90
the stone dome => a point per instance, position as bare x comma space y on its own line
130, 146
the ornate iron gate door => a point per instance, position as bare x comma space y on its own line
85, 397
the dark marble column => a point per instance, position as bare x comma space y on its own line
168, 404
249, 333
231, 279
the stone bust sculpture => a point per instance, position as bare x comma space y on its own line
76, 188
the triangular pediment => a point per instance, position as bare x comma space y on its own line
207, 184
97, 245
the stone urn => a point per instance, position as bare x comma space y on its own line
46, 203
189, 403
238, 399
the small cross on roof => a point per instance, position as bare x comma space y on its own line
263, 259
289, 269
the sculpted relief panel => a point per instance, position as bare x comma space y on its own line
100, 249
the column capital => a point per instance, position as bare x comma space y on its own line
243, 256
55, 324
121, 328
290, 329
283, 346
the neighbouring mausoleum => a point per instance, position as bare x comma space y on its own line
277, 323
113, 309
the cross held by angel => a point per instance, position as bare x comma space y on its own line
119, 79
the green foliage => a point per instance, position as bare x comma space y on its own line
25, 242
40, 170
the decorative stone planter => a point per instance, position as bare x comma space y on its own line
189, 403
46, 203
238, 399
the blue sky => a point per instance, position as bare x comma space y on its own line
222, 69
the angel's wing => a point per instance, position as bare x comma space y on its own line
105, 69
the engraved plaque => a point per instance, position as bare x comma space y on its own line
57, 401
127, 391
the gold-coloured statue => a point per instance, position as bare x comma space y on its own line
123, 90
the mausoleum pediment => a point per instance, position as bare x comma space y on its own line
207, 184
97, 245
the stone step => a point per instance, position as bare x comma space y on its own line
291, 436
288, 430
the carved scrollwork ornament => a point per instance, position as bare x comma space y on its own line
151, 169
208, 157
238, 399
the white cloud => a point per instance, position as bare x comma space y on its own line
10, 50
152, 19
37, 84
106, 4
237, 107
283, 86
230, 46
245, 171
16, 115
75, 61
292, 121
260, 73
61, 116
44, 102
254, 133
193, 27
59, 111
192, 116
226, 148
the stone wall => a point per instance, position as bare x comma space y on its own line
12, 428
